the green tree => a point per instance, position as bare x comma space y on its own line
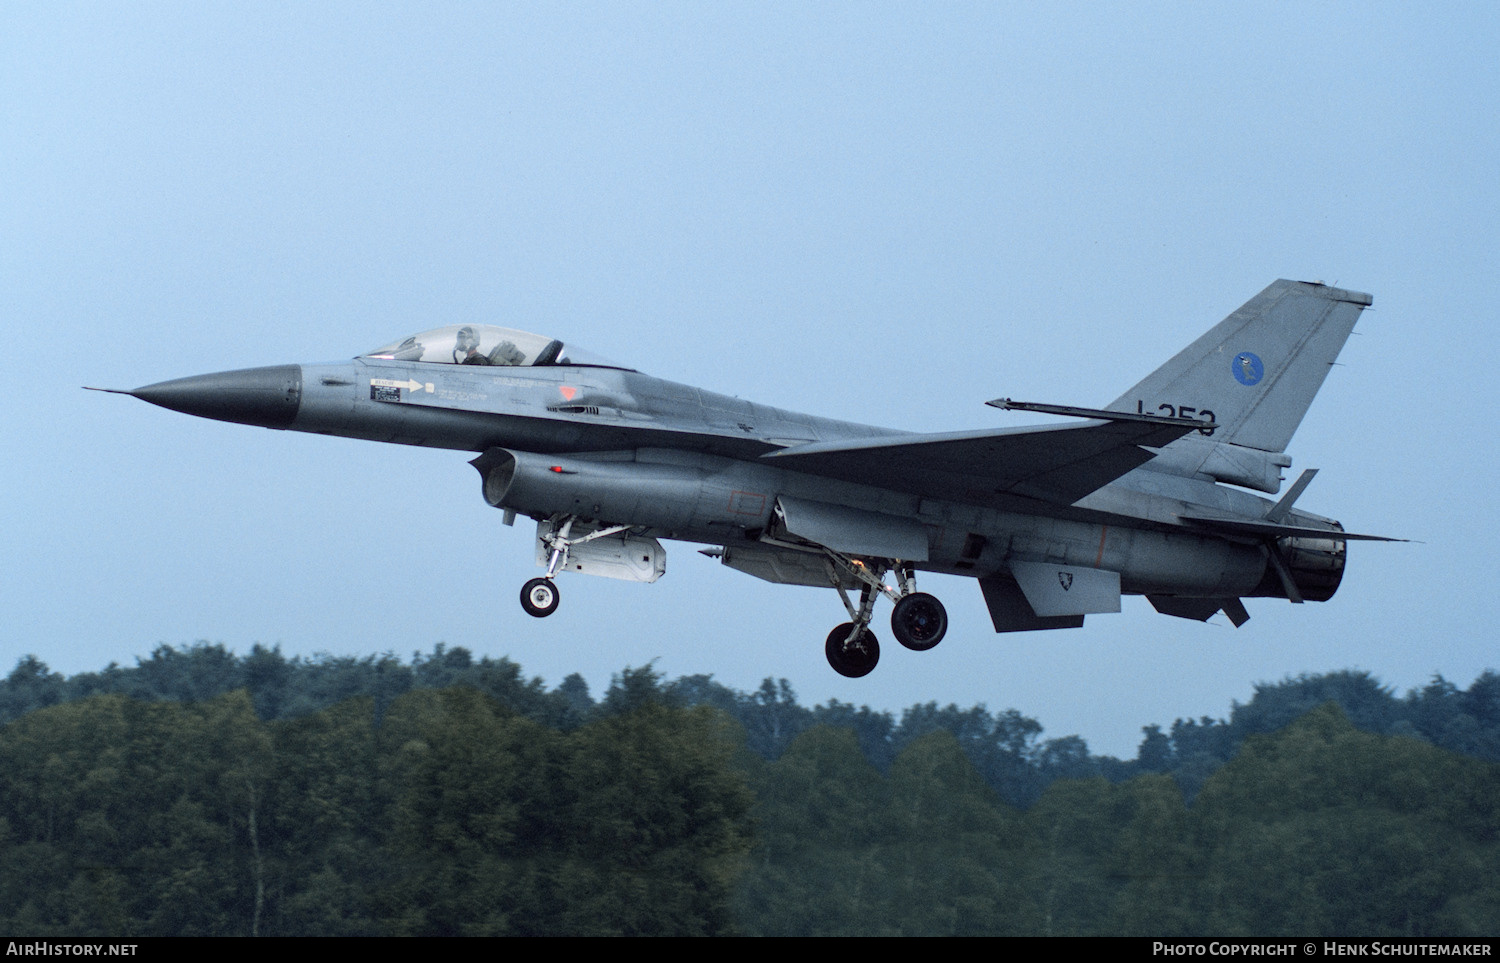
327, 805
657, 827
468, 781
815, 869
953, 854
1153, 861
1323, 829
1072, 829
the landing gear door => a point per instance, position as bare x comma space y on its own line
630, 558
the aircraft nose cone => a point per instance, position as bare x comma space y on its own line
268, 397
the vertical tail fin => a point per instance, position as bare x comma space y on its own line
1255, 373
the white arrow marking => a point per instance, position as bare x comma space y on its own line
408, 385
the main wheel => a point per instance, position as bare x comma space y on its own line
852, 659
539, 597
919, 621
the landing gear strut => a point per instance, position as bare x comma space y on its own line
539, 597
918, 621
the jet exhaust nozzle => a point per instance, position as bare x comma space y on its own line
1316, 566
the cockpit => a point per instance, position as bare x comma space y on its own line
486, 344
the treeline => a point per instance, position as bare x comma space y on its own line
454, 816
457, 814
1006, 748
199, 792
1318, 829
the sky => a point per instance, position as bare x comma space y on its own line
888, 213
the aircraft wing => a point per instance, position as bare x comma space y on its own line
1058, 464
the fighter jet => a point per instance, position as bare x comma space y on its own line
1151, 495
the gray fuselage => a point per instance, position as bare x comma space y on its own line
683, 463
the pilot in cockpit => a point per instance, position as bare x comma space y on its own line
466, 348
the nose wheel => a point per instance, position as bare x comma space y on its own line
539, 597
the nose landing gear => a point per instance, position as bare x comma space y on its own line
539, 597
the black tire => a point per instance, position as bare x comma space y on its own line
919, 621
855, 659
539, 597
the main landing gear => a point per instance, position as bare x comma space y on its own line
918, 621
852, 651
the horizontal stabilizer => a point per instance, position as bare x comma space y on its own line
1261, 529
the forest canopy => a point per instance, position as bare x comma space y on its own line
200, 792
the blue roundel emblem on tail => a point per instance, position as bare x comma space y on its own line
1247, 368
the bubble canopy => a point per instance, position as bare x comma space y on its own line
486, 345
